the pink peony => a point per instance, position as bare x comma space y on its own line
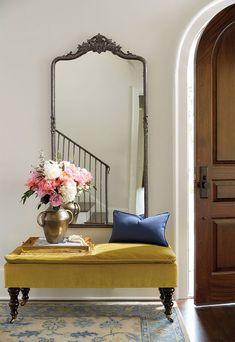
84, 178
81, 176
71, 170
34, 180
46, 186
56, 200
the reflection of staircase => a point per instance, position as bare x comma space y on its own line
94, 204
97, 218
89, 216
85, 207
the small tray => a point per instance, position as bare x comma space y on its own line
40, 245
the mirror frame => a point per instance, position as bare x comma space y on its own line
100, 44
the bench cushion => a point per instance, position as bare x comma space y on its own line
108, 253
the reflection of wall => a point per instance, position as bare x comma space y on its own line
93, 107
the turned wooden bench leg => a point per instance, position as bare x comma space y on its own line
14, 303
167, 300
161, 294
25, 296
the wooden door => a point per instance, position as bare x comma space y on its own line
215, 161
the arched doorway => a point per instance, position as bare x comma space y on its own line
215, 161
188, 44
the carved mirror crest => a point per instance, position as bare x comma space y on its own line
99, 122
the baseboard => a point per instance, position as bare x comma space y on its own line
84, 294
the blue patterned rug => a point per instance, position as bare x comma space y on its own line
91, 322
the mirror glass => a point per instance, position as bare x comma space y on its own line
99, 106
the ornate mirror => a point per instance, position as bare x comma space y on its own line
99, 122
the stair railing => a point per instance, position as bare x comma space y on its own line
97, 199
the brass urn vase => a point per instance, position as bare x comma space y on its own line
74, 207
55, 223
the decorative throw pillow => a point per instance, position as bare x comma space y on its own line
135, 228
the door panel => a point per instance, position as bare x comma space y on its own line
225, 242
215, 149
224, 75
223, 190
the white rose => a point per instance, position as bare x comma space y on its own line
52, 170
69, 191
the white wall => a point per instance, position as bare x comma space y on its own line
32, 33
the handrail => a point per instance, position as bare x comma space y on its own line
97, 201
85, 150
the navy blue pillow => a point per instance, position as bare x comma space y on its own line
135, 228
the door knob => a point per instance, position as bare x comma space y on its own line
204, 184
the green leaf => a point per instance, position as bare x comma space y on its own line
23, 199
26, 195
45, 199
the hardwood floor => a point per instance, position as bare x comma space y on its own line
208, 324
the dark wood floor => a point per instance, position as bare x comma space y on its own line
208, 324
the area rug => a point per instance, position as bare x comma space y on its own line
91, 322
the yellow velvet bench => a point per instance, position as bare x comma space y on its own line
109, 265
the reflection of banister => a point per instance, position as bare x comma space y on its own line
67, 149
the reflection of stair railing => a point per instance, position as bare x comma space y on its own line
97, 198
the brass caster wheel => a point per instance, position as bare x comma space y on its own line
13, 319
169, 319
23, 302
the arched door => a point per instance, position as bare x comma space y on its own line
215, 161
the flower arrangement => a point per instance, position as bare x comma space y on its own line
57, 183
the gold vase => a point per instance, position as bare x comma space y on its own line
55, 223
74, 207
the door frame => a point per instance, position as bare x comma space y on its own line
187, 46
